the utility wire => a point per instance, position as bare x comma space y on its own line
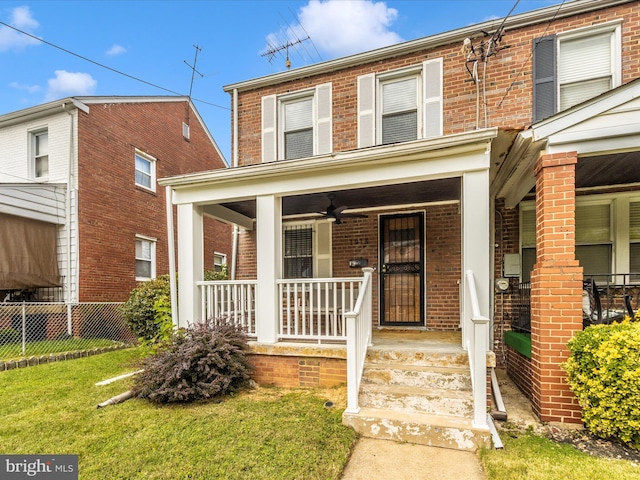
530, 55
104, 66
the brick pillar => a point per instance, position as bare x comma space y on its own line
556, 288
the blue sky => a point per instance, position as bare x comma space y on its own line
151, 40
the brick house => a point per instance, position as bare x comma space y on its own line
399, 204
78, 180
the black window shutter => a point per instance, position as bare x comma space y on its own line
544, 78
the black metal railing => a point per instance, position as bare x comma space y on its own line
606, 297
41, 294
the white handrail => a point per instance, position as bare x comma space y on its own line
358, 339
477, 350
233, 301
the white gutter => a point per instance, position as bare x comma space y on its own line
68, 199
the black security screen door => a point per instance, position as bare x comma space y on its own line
402, 270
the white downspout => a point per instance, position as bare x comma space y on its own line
172, 257
70, 191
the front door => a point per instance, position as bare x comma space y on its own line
402, 270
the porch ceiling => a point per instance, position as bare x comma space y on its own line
615, 169
387, 195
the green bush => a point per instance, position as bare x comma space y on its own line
202, 362
604, 374
9, 335
139, 310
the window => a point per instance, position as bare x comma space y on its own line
219, 261
145, 171
307, 250
298, 128
297, 125
573, 67
40, 154
145, 258
634, 240
401, 105
594, 242
298, 252
399, 110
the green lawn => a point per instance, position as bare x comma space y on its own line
532, 457
263, 434
13, 351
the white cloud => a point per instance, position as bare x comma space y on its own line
27, 88
116, 50
70, 83
20, 18
342, 27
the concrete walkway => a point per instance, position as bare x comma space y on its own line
387, 460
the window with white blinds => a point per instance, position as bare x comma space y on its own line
400, 110
594, 239
298, 128
585, 68
634, 239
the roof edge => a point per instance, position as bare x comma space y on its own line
432, 41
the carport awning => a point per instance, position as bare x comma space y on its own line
28, 256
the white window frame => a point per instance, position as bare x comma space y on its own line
152, 260
272, 126
152, 170
217, 265
321, 255
398, 76
611, 28
619, 227
34, 155
430, 121
282, 104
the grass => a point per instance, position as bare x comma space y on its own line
532, 457
13, 351
262, 434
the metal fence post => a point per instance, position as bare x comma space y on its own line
69, 320
24, 328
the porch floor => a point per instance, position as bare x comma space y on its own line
423, 340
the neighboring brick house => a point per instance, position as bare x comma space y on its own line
84, 170
505, 158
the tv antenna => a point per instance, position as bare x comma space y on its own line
272, 50
193, 72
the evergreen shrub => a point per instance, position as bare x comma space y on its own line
604, 373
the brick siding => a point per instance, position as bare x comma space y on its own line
113, 210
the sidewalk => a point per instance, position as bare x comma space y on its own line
387, 460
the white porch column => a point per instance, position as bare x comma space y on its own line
190, 263
269, 254
476, 248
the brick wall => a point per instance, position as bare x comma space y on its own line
298, 371
508, 83
358, 238
519, 370
112, 210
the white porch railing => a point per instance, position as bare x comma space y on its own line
358, 339
315, 309
477, 350
231, 300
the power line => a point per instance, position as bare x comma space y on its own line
104, 66
530, 55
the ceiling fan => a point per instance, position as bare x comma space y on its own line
336, 212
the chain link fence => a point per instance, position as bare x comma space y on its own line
31, 329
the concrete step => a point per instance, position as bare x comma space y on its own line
445, 357
454, 378
424, 429
416, 399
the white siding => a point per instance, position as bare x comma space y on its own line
53, 200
